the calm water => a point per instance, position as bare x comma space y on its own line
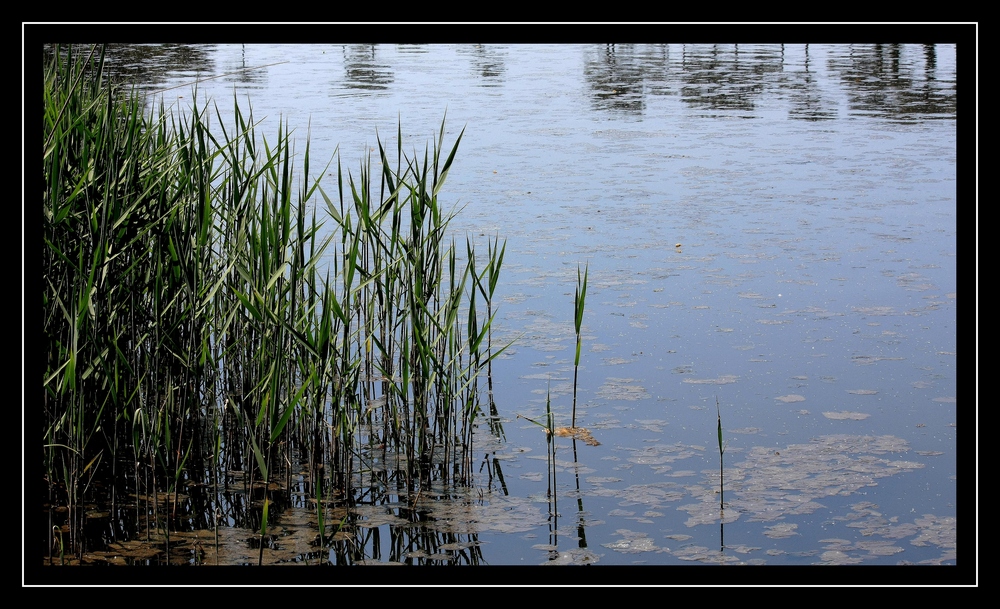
770, 227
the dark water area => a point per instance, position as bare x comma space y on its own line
772, 228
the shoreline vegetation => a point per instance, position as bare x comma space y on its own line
213, 315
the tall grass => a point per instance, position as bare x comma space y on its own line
208, 307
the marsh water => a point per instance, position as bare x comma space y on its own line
767, 228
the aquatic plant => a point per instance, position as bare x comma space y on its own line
492, 274
203, 315
579, 302
722, 490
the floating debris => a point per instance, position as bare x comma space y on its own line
573, 556
781, 530
703, 554
725, 379
622, 389
846, 416
633, 542
788, 399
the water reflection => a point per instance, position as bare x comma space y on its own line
363, 69
488, 63
880, 79
886, 80
615, 77
727, 78
807, 101
243, 73
153, 64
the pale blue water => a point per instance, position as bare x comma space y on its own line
813, 192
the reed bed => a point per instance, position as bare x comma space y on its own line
212, 314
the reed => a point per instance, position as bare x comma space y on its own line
487, 289
579, 302
722, 449
550, 439
208, 306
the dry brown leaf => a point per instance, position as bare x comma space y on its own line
580, 433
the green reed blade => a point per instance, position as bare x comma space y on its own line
720, 433
580, 298
439, 181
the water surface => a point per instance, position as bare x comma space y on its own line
770, 228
